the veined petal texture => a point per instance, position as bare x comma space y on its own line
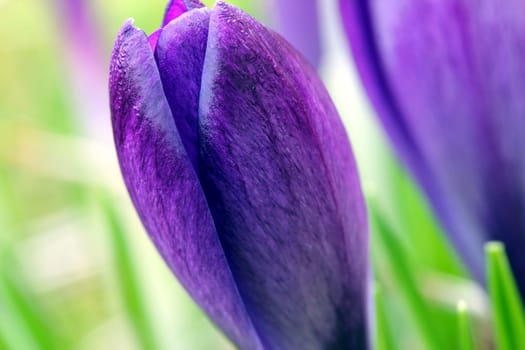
242, 173
282, 185
180, 57
165, 189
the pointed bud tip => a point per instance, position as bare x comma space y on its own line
494, 247
462, 306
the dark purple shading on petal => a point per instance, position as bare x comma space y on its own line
456, 72
175, 8
283, 188
180, 58
298, 22
164, 187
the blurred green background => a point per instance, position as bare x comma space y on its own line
76, 269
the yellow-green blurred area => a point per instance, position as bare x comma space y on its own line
77, 270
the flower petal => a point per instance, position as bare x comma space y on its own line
358, 24
280, 179
456, 73
465, 105
153, 38
164, 187
180, 58
175, 8
298, 22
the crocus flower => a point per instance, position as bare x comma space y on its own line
240, 169
447, 79
298, 22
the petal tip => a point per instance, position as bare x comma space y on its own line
128, 24
175, 8
127, 29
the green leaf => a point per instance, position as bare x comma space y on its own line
384, 339
406, 279
411, 208
129, 281
507, 307
464, 330
24, 324
14, 335
27, 326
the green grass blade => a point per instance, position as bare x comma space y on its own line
3, 341
507, 308
23, 322
384, 340
13, 333
432, 248
132, 294
464, 330
27, 316
405, 275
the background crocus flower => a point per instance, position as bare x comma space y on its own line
447, 79
86, 66
298, 22
241, 171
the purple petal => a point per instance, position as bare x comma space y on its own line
153, 38
359, 29
298, 22
164, 187
283, 188
175, 8
456, 73
180, 58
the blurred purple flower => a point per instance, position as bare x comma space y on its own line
87, 70
298, 22
448, 81
241, 171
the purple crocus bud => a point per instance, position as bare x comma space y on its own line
240, 169
447, 79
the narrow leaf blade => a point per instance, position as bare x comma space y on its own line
132, 294
406, 278
507, 307
464, 330
384, 340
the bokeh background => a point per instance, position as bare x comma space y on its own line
77, 270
